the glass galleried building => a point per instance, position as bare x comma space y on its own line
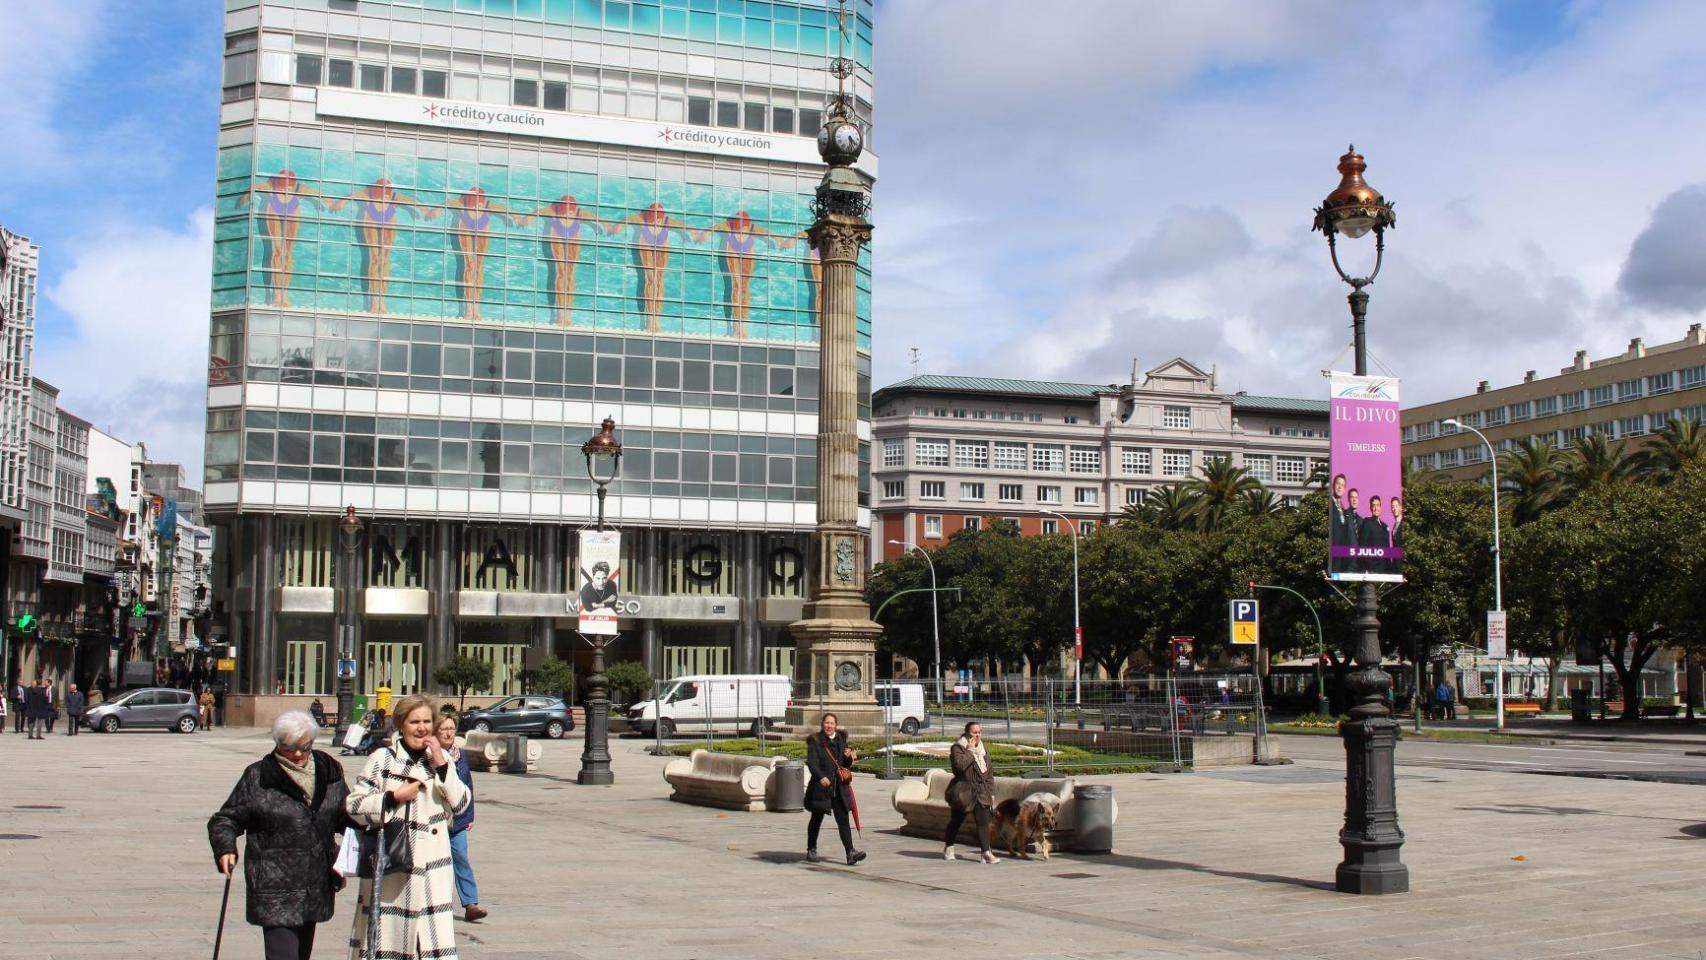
452, 235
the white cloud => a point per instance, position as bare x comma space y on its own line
1146, 191
135, 358
41, 47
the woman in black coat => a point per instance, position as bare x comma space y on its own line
827, 791
290, 803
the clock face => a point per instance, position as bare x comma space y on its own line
847, 137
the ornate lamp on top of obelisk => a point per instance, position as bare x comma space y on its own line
837, 640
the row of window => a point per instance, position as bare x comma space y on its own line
933, 525
1602, 395
973, 491
1626, 428
1175, 418
1057, 458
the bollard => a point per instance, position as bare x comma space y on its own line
788, 787
1093, 818
515, 753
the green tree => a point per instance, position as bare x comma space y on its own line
1261, 501
1172, 507
1217, 492
1679, 444
630, 682
554, 676
463, 673
1593, 461
1530, 473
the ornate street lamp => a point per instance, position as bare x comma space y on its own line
1371, 836
349, 535
603, 465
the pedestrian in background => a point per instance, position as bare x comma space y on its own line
413, 781
37, 707
971, 792
75, 703
206, 703
5, 708
52, 704
467, 890
829, 763
20, 708
290, 804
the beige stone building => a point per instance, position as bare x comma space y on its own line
1626, 397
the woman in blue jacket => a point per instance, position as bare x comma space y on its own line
466, 889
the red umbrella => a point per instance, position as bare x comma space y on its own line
853, 799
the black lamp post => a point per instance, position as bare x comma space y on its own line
1371, 836
349, 532
603, 465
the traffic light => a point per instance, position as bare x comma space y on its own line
28, 623
137, 609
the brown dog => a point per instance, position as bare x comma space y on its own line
1019, 823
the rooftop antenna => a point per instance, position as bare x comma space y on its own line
915, 363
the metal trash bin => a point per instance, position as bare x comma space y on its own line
1093, 818
515, 753
1581, 710
788, 787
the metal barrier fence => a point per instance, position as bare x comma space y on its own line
1042, 726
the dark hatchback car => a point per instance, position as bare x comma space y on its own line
548, 716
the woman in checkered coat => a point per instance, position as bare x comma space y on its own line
413, 779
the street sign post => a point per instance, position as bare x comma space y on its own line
1496, 634
346, 669
1246, 630
227, 664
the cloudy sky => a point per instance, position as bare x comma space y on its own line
1066, 187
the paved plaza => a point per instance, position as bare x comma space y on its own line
105, 854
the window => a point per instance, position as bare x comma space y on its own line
1086, 527
340, 73
971, 491
1134, 461
1629, 390
1011, 492
894, 452
1546, 406
959, 413
1693, 376
1576, 400
811, 121
1657, 421
1175, 463
1069, 418
728, 115
1048, 457
403, 79
373, 78
1047, 494
1521, 411
308, 70
1659, 383
1210, 456
974, 523
1290, 470
930, 453
433, 83
782, 119
1086, 459
1472, 419
933, 527
1009, 456
1085, 496
973, 454
1601, 395
1259, 467
755, 113
527, 93
1632, 426
1178, 418
1496, 417
1134, 496
556, 95
699, 111
894, 489
1051, 526
933, 489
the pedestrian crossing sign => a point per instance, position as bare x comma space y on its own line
1245, 628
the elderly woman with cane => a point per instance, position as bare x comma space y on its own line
290, 804
411, 782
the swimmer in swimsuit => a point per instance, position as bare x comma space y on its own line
652, 227
376, 215
471, 216
279, 199
739, 238
814, 266
563, 221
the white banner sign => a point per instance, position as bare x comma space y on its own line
427, 112
600, 573
1496, 634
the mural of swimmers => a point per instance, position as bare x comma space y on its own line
1365, 524
470, 215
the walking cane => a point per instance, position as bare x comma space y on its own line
224, 901
373, 894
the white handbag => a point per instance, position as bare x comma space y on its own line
354, 736
349, 854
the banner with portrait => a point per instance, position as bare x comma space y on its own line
1365, 521
600, 577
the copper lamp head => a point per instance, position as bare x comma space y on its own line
604, 442
1354, 208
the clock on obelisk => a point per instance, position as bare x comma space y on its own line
836, 643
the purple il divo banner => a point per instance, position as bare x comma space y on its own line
1365, 524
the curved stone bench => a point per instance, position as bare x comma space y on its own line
923, 803
486, 751
721, 780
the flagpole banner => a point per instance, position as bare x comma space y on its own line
600, 574
1366, 519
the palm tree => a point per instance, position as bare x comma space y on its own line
1172, 507
1678, 444
1220, 488
1531, 473
1261, 501
1594, 460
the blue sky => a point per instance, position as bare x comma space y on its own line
1066, 187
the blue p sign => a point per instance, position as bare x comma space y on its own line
1244, 622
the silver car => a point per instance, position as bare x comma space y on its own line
148, 707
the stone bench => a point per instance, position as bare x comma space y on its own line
923, 803
722, 780
486, 751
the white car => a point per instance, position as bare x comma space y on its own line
904, 703
718, 703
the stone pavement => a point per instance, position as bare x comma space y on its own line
105, 854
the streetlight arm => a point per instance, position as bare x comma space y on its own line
1493, 458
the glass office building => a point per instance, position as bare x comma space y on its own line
452, 236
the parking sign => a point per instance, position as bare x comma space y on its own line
1245, 629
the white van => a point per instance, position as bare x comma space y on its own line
720, 703
904, 703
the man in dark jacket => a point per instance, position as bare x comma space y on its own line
827, 755
290, 804
75, 702
38, 708
20, 706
